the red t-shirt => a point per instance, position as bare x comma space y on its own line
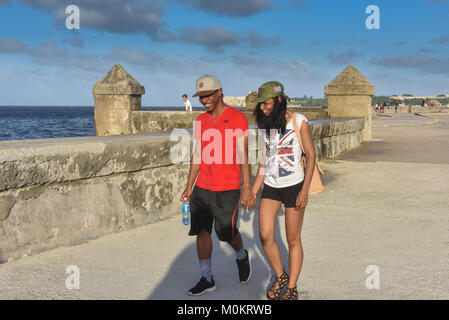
220, 167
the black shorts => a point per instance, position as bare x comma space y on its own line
286, 195
221, 207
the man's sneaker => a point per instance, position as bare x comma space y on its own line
202, 287
244, 268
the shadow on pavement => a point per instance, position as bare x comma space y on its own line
185, 272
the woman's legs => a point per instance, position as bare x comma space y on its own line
293, 225
267, 218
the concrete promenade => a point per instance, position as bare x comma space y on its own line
385, 204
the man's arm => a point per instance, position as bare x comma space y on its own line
246, 198
194, 170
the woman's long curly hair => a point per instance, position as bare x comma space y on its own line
276, 119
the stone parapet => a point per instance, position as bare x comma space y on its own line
334, 136
56, 192
38, 162
153, 121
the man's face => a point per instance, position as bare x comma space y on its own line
211, 101
184, 98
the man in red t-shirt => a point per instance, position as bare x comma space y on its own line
220, 161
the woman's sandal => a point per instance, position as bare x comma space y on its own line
281, 282
290, 294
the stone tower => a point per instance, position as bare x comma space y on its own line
250, 104
116, 96
349, 95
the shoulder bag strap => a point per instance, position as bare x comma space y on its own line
298, 135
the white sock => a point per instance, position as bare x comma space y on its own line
241, 254
206, 269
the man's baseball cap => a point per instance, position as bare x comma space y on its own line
269, 90
206, 85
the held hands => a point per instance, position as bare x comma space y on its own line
247, 198
254, 191
302, 200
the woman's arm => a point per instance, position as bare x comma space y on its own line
260, 173
309, 151
259, 179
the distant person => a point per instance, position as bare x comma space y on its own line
409, 109
187, 103
217, 195
284, 182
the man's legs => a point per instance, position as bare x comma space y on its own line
237, 242
201, 225
204, 245
237, 245
204, 250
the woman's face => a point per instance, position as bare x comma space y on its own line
267, 106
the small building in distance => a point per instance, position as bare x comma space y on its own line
235, 101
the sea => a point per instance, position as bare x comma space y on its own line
40, 122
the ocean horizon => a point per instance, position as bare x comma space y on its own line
41, 122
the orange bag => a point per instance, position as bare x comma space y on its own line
316, 185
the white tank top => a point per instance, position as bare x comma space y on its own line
283, 159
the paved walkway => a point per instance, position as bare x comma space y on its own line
385, 204
405, 119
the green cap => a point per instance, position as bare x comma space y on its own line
269, 90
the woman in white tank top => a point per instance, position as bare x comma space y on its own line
284, 182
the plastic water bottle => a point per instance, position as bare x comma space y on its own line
185, 213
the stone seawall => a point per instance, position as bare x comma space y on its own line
154, 121
57, 192
334, 136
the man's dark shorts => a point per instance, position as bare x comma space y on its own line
218, 207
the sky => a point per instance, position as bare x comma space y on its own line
167, 44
